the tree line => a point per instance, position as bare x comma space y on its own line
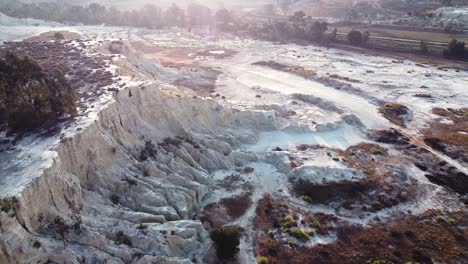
150, 16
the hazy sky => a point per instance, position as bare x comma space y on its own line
132, 4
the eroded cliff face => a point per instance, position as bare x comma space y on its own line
124, 188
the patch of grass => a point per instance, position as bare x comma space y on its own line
299, 234
310, 233
226, 240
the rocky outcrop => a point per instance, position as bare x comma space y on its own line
102, 200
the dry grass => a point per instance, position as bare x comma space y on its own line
416, 239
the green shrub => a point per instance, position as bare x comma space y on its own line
149, 150
262, 260
31, 97
311, 233
307, 198
288, 221
452, 221
122, 238
315, 224
440, 219
6, 204
226, 241
299, 234
37, 244
376, 151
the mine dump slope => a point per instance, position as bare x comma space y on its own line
185, 133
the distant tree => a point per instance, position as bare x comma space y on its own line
365, 37
114, 17
150, 16
352, 14
224, 20
298, 17
284, 5
97, 13
269, 10
446, 2
316, 30
298, 25
198, 15
175, 16
355, 37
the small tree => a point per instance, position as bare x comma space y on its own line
333, 35
355, 37
365, 37
423, 47
455, 49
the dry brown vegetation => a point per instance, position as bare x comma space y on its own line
432, 236
226, 210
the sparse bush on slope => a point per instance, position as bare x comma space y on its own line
226, 240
